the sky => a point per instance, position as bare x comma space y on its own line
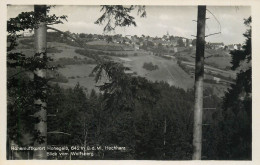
177, 20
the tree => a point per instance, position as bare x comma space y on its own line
119, 15
198, 85
193, 42
237, 106
150, 44
36, 88
90, 36
39, 73
109, 39
82, 35
180, 42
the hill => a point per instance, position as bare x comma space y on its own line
77, 68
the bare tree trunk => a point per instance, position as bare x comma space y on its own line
40, 50
199, 74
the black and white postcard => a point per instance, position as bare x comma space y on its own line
140, 81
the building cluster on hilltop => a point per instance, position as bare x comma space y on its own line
168, 41
221, 45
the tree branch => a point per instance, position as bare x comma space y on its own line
17, 73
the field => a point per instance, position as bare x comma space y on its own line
80, 74
216, 58
168, 69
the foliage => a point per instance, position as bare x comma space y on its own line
180, 42
140, 130
89, 53
123, 89
237, 106
150, 66
22, 90
152, 120
245, 53
118, 15
230, 134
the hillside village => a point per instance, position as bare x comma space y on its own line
172, 56
144, 42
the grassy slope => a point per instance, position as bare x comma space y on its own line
168, 71
222, 62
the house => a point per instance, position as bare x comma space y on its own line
217, 45
173, 42
234, 47
28, 33
136, 47
134, 39
128, 36
217, 79
95, 37
160, 41
184, 40
238, 46
189, 41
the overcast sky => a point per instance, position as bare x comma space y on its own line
177, 20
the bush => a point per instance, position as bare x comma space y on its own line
72, 77
87, 53
150, 66
184, 67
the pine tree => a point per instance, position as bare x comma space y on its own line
236, 126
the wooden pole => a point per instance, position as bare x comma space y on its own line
199, 74
40, 50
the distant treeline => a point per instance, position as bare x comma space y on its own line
105, 47
88, 53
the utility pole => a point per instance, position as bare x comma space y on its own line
40, 52
199, 74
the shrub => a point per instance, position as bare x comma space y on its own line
150, 66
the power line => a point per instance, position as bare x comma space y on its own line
217, 22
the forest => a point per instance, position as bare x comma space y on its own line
151, 120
